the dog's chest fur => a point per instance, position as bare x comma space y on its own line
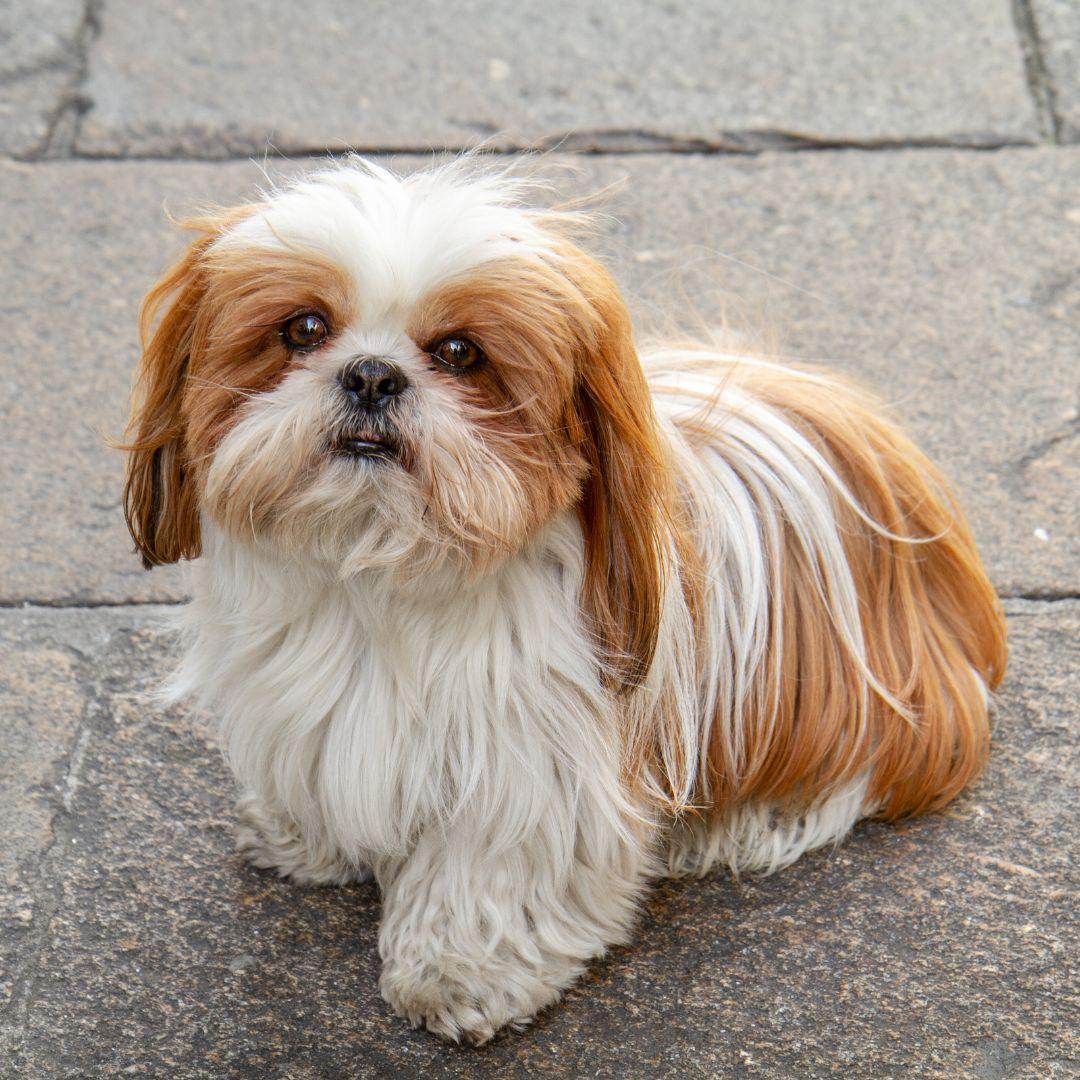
368, 711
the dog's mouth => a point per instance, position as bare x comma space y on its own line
368, 445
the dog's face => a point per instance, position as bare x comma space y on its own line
372, 371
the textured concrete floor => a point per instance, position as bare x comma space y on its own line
890, 187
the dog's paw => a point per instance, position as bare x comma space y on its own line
464, 1001
269, 844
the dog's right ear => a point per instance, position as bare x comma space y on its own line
160, 504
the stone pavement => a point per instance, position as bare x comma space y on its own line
890, 187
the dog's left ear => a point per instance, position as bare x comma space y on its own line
625, 506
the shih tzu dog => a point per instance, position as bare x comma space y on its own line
513, 617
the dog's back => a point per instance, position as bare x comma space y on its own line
847, 631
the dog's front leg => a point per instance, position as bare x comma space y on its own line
478, 935
270, 840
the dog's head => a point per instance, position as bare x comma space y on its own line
369, 370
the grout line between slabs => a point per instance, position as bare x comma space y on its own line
61, 604
1037, 73
66, 119
734, 144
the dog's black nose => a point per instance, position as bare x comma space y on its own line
371, 381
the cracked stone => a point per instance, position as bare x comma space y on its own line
938, 947
1058, 23
38, 63
636, 73
42, 700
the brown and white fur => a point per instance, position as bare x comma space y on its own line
581, 618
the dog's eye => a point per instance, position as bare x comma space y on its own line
458, 353
305, 331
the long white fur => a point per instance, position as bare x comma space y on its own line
386, 712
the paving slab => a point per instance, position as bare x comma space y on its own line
941, 947
40, 64
209, 79
43, 699
1057, 24
944, 280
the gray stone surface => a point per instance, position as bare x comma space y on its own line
40, 63
946, 282
942, 947
133, 942
210, 79
42, 700
77, 253
1057, 23
942, 278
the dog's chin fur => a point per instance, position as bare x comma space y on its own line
585, 617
